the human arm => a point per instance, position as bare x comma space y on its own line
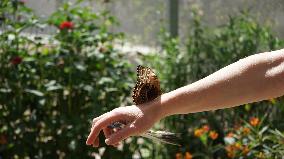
255, 78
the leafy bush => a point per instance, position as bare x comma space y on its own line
50, 91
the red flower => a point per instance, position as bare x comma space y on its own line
205, 128
66, 25
16, 60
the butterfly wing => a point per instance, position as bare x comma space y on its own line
147, 86
146, 89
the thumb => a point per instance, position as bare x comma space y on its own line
121, 134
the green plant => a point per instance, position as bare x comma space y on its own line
50, 91
254, 140
205, 51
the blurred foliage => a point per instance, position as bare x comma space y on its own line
50, 91
206, 51
52, 86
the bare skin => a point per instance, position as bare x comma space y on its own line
254, 78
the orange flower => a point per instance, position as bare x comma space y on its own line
205, 128
198, 132
245, 150
230, 148
178, 155
246, 130
254, 121
188, 155
230, 151
230, 155
238, 146
230, 134
213, 135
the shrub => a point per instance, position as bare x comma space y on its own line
50, 91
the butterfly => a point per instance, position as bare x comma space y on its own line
146, 89
147, 86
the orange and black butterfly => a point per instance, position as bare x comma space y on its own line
147, 86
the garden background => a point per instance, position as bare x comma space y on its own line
61, 69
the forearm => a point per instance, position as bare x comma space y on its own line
255, 78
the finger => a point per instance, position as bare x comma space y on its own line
97, 118
116, 145
100, 124
93, 122
121, 135
107, 132
96, 143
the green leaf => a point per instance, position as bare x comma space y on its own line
35, 92
263, 130
111, 89
29, 59
5, 90
104, 80
52, 88
204, 138
88, 88
80, 66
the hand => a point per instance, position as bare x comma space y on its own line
138, 119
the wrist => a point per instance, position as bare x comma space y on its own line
161, 107
153, 109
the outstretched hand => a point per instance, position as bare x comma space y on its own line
137, 120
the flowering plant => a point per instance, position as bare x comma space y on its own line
51, 86
254, 140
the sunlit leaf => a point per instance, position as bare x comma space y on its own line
34, 92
